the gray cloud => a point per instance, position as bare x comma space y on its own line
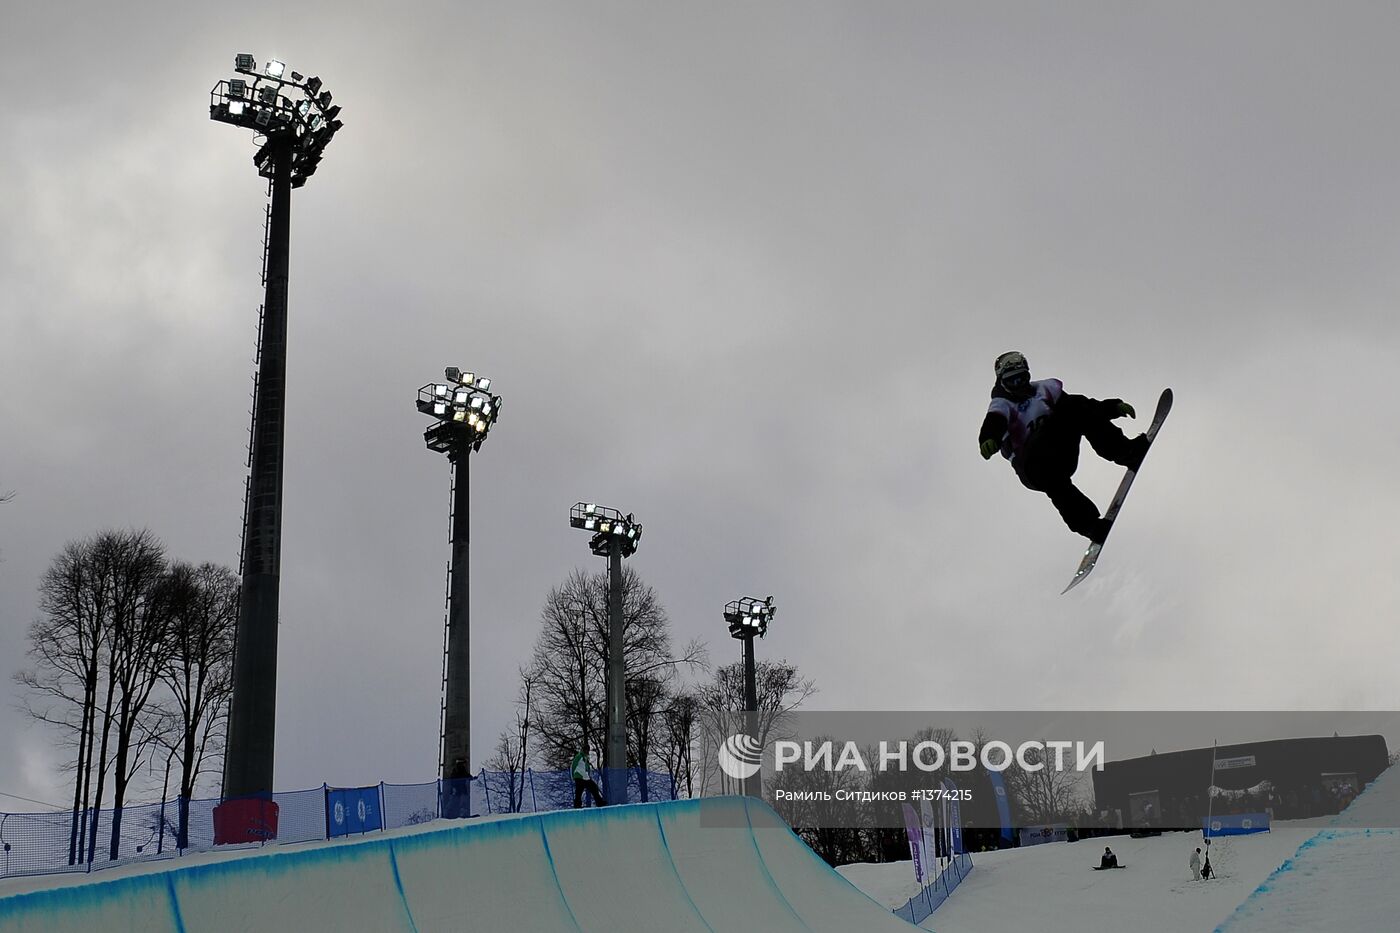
741, 270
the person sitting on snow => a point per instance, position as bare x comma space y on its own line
1109, 860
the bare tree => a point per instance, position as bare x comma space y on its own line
892, 844
66, 646
1046, 795
512, 756
198, 670
781, 689
570, 662
832, 827
678, 737
647, 697
101, 633
135, 562
568, 671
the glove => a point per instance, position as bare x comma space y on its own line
1125, 409
988, 448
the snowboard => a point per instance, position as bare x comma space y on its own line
1091, 556
1101, 868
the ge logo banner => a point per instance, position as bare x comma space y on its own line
739, 756
361, 811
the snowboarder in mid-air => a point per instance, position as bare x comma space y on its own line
1037, 426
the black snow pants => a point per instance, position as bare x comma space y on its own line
591, 786
1050, 456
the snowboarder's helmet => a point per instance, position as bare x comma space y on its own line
1012, 370
1011, 361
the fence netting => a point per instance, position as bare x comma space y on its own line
62, 841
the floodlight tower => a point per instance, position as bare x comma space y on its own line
295, 120
465, 411
748, 618
615, 536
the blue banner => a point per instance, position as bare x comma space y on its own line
921, 905
1236, 824
1003, 807
352, 810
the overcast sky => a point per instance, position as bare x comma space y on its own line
741, 269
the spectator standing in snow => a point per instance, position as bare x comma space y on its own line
583, 781
1196, 864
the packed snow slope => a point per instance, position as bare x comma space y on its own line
1053, 889
725, 863
1344, 878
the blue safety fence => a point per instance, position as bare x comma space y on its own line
922, 905
44, 843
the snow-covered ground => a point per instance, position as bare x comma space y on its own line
678, 871
1051, 888
1343, 880
1346, 878
1340, 874
726, 863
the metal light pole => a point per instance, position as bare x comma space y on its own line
465, 411
748, 618
615, 536
295, 133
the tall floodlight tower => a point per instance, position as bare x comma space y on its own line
465, 411
748, 618
615, 536
294, 120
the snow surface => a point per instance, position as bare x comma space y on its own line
1344, 878
1052, 889
718, 864
666, 866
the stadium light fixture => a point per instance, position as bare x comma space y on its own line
748, 618
608, 525
614, 536
464, 411
464, 407
265, 102
292, 111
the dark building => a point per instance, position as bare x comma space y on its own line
1292, 778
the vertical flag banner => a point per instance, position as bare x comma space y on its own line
1003, 808
929, 823
916, 845
955, 823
